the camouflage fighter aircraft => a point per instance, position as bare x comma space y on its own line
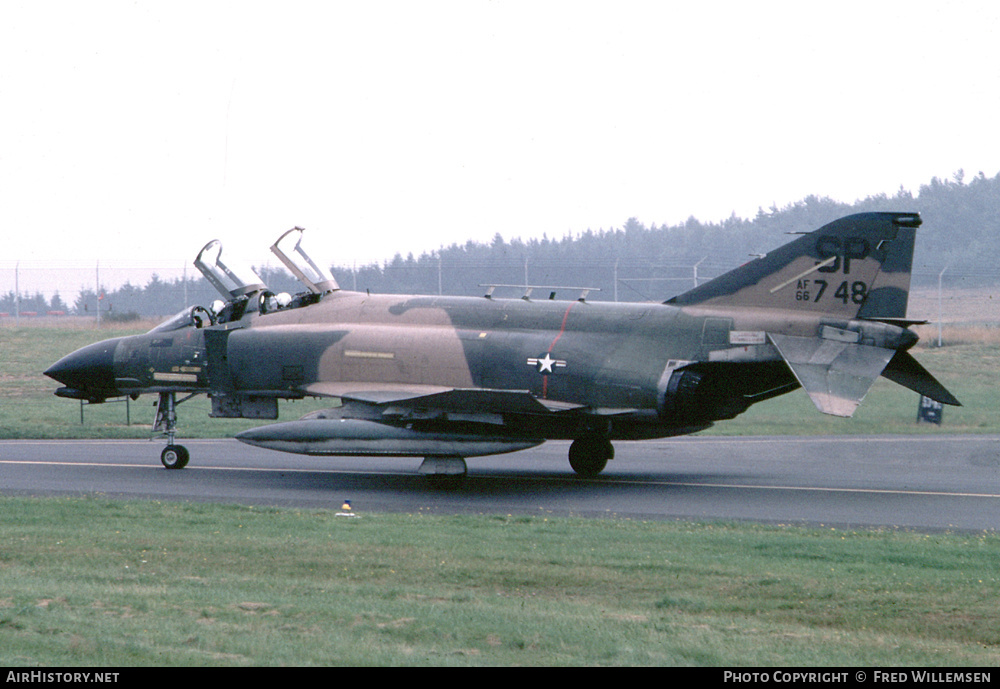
446, 378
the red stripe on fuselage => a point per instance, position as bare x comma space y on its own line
562, 329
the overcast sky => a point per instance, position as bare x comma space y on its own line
134, 132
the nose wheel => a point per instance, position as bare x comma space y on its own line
173, 456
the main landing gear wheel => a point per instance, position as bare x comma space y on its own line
175, 457
589, 456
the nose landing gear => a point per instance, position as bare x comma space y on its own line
173, 456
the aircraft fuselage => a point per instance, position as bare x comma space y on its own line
618, 361
451, 377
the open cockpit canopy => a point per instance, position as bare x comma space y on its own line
232, 278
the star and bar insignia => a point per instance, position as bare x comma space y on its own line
546, 364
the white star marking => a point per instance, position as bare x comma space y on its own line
546, 364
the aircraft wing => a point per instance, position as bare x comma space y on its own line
379, 419
465, 400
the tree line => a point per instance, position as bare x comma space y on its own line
634, 262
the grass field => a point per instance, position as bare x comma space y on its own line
101, 583
150, 583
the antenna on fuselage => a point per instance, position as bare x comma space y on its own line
528, 289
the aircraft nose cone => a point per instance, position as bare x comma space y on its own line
88, 372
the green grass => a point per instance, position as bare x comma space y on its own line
149, 583
93, 582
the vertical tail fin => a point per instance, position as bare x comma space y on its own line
855, 267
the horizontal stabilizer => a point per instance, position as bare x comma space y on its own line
898, 322
836, 375
907, 371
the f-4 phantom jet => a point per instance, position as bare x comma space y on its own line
446, 378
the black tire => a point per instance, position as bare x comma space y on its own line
589, 456
174, 457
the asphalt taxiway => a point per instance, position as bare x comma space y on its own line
921, 482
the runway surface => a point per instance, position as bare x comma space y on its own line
925, 482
